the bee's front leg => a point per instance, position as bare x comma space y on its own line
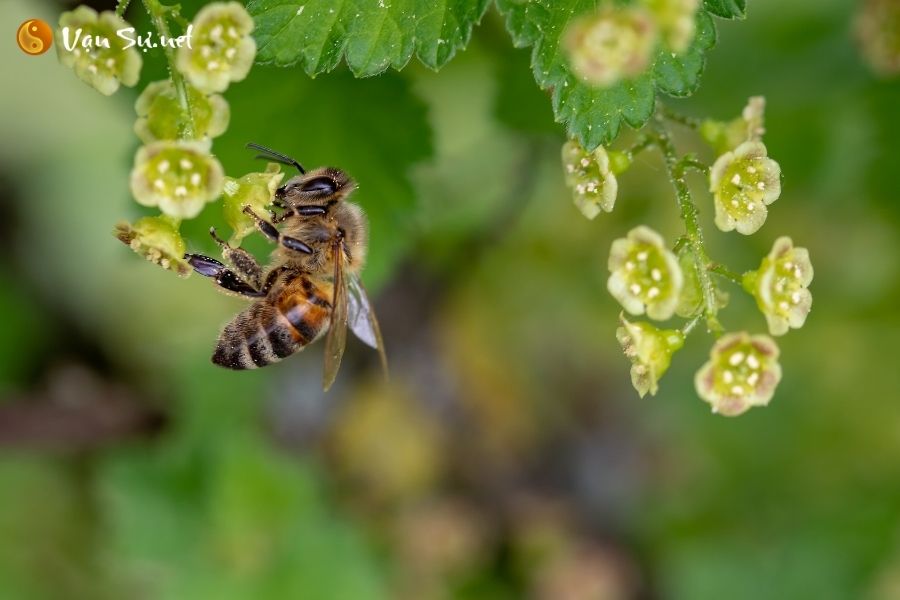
269, 230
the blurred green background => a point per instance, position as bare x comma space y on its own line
508, 457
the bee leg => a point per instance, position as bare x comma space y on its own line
225, 278
241, 261
270, 232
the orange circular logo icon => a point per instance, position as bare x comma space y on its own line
34, 37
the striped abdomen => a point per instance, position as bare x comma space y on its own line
275, 327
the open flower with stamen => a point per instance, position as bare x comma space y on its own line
161, 117
645, 275
588, 175
611, 44
677, 21
742, 372
100, 67
178, 177
157, 239
222, 50
780, 286
255, 190
744, 182
650, 351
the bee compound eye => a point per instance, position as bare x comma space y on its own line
319, 185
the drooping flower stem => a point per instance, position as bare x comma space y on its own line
723, 271
121, 7
676, 168
157, 14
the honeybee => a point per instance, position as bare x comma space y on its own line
312, 287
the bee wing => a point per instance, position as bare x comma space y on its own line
336, 338
361, 318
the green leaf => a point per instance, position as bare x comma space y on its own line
727, 9
371, 34
595, 115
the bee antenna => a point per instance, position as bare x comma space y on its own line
269, 154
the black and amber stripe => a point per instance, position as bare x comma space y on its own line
272, 329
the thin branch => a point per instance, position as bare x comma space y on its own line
726, 273
675, 117
157, 14
689, 215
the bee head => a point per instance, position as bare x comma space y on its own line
318, 186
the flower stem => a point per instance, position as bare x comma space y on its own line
121, 7
689, 215
157, 14
675, 117
723, 271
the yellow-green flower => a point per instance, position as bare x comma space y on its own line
742, 372
878, 32
178, 177
743, 183
100, 67
780, 286
588, 175
611, 44
160, 116
157, 239
645, 275
255, 190
222, 50
749, 127
650, 351
677, 21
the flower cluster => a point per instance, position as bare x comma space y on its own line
103, 67
589, 176
650, 351
161, 117
644, 274
223, 50
611, 44
177, 118
781, 286
741, 373
255, 190
178, 177
648, 277
618, 42
878, 33
744, 182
